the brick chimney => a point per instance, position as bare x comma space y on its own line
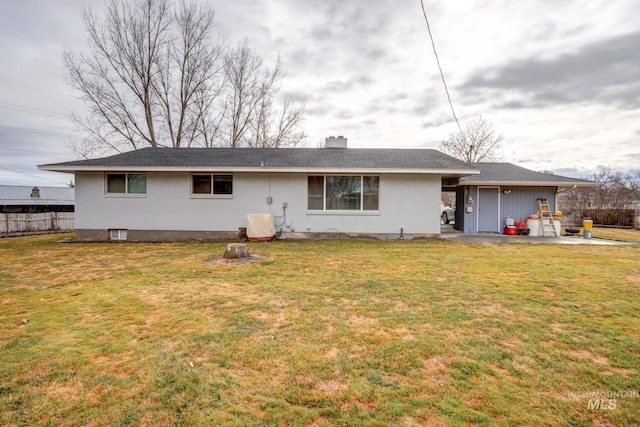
35, 193
335, 142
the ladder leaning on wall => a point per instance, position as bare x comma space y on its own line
546, 219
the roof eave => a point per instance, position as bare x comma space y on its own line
258, 169
563, 184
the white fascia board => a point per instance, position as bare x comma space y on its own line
37, 202
529, 183
255, 169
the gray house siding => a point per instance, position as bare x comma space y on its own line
168, 211
523, 201
520, 202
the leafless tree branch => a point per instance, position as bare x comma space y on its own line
152, 76
478, 142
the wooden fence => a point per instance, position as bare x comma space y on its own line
11, 223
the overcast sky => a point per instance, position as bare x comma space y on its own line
560, 79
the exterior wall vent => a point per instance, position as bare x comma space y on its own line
335, 142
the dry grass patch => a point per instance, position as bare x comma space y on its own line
317, 333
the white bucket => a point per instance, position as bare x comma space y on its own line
509, 222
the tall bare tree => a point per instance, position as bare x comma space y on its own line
153, 76
189, 75
274, 128
477, 142
253, 119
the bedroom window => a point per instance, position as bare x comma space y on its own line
126, 183
212, 184
343, 192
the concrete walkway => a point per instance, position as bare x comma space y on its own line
448, 233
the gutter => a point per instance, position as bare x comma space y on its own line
258, 169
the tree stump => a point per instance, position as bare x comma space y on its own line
236, 250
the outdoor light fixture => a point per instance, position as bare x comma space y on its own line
507, 191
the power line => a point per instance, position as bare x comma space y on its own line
433, 44
32, 176
21, 110
36, 131
26, 109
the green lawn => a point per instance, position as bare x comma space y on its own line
318, 333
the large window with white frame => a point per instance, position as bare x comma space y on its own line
126, 183
343, 192
211, 184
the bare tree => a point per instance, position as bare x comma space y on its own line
478, 142
189, 75
609, 203
287, 128
272, 128
253, 119
250, 92
153, 76
147, 63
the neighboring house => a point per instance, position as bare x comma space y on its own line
157, 194
25, 199
26, 209
485, 200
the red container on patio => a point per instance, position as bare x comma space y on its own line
510, 230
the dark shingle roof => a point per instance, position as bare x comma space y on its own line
309, 158
510, 174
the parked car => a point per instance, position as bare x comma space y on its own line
449, 214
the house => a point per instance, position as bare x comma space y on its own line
156, 194
26, 199
159, 194
500, 190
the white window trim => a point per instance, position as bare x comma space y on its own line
343, 213
325, 211
121, 234
212, 195
126, 185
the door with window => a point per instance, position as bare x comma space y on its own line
488, 210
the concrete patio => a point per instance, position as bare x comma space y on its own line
448, 233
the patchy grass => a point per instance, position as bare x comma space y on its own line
617, 234
317, 333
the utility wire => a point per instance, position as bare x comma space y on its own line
433, 44
32, 176
36, 131
25, 109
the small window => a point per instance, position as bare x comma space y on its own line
117, 234
136, 183
316, 192
370, 185
116, 183
201, 184
126, 183
222, 184
212, 184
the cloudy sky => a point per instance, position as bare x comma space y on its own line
560, 79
